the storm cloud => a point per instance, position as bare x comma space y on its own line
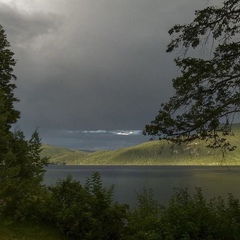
92, 64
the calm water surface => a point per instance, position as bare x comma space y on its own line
130, 180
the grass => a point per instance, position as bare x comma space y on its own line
27, 231
60, 155
149, 153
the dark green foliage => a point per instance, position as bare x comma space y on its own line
5, 135
185, 217
21, 174
85, 211
207, 93
7, 63
88, 212
8, 115
21, 167
144, 220
28, 231
188, 217
192, 217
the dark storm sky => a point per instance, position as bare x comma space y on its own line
93, 64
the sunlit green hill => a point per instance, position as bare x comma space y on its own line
149, 153
61, 155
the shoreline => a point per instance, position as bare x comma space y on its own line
149, 165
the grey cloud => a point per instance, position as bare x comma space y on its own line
22, 26
97, 64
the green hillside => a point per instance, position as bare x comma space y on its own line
149, 153
61, 155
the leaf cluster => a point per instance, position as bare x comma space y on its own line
85, 211
207, 93
185, 217
21, 174
21, 166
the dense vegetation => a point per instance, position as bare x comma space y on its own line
21, 167
28, 231
87, 211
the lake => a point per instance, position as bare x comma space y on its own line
130, 180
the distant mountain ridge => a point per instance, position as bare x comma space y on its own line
149, 153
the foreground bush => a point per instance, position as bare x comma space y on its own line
185, 217
28, 231
87, 212
144, 220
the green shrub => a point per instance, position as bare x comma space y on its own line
184, 217
32, 206
143, 221
187, 217
28, 231
86, 211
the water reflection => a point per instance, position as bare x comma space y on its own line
130, 180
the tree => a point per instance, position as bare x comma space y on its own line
9, 115
7, 62
207, 93
4, 133
21, 167
86, 211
